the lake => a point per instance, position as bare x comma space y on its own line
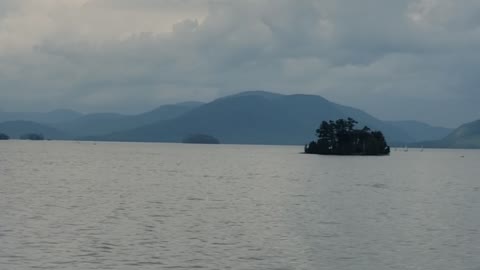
85, 205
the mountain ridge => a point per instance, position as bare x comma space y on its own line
50, 117
465, 136
103, 123
15, 129
421, 131
256, 118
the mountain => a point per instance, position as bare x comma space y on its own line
15, 129
56, 116
165, 112
258, 93
255, 117
92, 124
465, 136
106, 123
419, 131
393, 134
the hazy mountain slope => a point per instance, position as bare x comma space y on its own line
15, 129
106, 123
253, 118
465, 136
235, 120
93, 124
51, 117
419, 131
165, 112
393, 134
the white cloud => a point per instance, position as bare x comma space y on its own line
132, 55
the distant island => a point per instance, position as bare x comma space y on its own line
4, 137
201, 139
341, 138
32, 137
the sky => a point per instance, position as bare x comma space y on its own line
402, 59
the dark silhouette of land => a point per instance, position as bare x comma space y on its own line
4, 137
16, 129
32, 137
97, 124
341, 138
252, 117
201, 139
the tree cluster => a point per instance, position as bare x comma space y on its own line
4, 137
32, 137
341, 138
201, 139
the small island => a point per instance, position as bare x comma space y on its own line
32, 137
341, 138
4, 137
201, 139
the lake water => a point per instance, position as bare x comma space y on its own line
70, 205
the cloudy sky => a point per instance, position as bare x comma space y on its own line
402, 59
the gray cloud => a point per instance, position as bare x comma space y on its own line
396, 59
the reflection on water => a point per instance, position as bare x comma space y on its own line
68, 205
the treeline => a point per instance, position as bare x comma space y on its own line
28, 136
341, 138
4, 137
201, 139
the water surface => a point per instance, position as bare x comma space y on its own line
71, 205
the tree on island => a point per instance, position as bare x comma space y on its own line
341, 138
201, 139
32, 137
4, 137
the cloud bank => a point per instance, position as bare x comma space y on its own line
411, 59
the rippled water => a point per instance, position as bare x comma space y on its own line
67, 205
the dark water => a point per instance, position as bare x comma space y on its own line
67, 205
